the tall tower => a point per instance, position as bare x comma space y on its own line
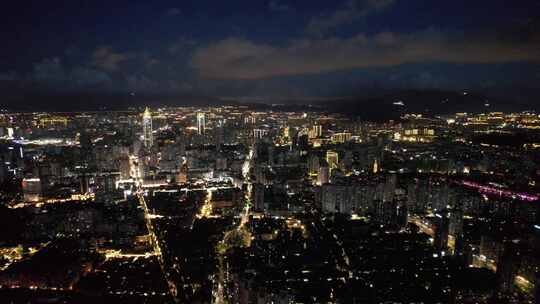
375, 166
147, 129
201, 123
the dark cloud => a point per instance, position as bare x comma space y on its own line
277, 6
85, 77
141, 82
106, 58
181, 44
9, 76
152, 62
49, 70
52, 72
173, 12
351, 11
244, 59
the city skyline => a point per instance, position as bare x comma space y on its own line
235, 204
270, 152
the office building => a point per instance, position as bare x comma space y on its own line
332, 158
148, 138
201, 123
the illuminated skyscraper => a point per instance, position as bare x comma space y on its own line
375, 167
147, 129
316, 131
324, 174
259, 133
201, 123
332, 159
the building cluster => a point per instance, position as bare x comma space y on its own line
233, 204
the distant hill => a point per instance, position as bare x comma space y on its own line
369, 104
392, 104
92, 101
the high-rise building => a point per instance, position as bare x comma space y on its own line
125, 167
456, 229
258, 197
84, 183
412, 196
259, 133
221, 163
332, 159
180, 143
507, 267
313, 164
219, 134
147, 129
375, 166
31, 189
109, 183
441, 232
316, 131
338, 198
201, 123
85, 142
260, 174
341, 137
323, 176
182, 176
402, 214
3, 170
390, 187
386, 212
271, 160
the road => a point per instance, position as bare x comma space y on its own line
218, 293
173, 289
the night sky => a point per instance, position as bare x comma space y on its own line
270, 48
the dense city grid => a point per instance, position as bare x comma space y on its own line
233, 205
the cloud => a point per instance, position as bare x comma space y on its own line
181, 44
52, 72
49, 70
237, 58
85, 77
351, 11
278, 7
151, 62
173, 12
105, 58
9, 76
141, 82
